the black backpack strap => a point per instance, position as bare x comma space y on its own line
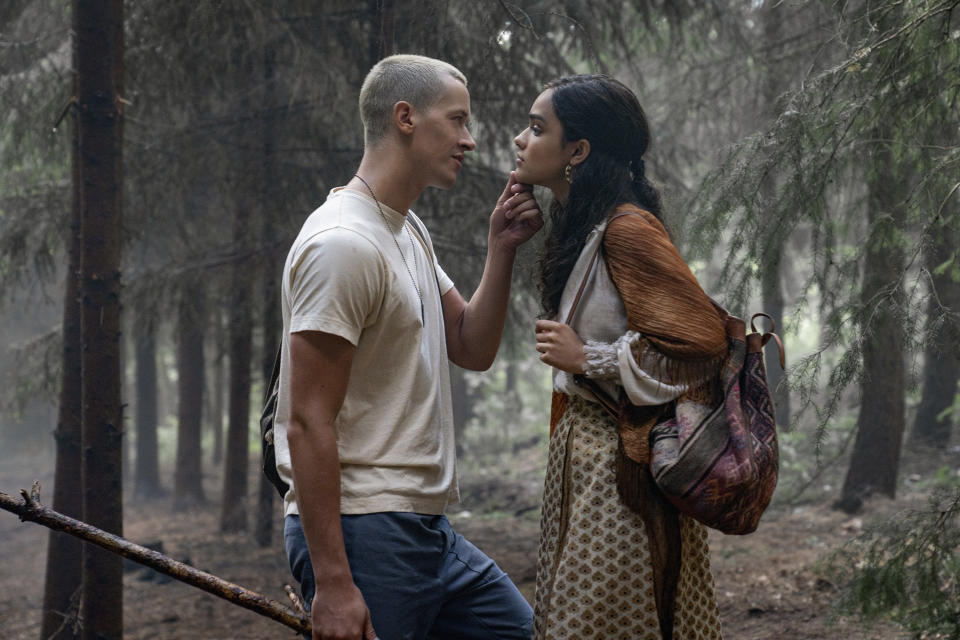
268, 456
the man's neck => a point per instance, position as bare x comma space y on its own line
388, 174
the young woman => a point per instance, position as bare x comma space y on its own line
643, 330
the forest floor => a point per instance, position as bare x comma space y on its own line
766, 583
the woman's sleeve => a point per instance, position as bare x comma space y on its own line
618, 361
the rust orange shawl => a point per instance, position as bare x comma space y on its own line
683, 335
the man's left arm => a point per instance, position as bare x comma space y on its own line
473, 329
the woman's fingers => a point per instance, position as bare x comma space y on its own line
545, 325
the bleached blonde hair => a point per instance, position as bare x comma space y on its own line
411, 78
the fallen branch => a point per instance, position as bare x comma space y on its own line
31, 510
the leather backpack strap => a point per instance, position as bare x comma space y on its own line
593, 263
768, 335
583, 286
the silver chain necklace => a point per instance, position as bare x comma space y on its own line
413, 249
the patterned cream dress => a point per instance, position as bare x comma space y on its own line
594, 578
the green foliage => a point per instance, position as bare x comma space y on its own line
34, 195
884, 100
908, 569
952, 413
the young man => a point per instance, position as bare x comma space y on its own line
364, 431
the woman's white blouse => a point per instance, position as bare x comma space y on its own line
601, 322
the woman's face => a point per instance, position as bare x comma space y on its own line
542, 153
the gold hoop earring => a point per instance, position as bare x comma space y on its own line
568, 174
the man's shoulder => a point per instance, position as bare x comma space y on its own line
341, 220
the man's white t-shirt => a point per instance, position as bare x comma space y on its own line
345, 276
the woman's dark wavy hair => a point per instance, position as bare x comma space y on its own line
609, 116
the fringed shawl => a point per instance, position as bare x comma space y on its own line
684, 337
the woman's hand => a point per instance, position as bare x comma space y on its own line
560, 346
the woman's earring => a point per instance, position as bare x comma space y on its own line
568, 174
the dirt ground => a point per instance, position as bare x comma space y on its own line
765, 582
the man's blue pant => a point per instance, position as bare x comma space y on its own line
420, 579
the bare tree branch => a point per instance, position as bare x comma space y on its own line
30, 509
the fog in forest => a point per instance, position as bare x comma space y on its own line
808, 157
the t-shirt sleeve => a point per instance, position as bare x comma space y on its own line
445, 282
336, 284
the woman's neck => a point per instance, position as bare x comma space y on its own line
561, 192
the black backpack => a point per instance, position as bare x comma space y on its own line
268, 455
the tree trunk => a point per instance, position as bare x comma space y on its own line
382, 37
263, 530
61, 595
147, 474
233, 516
941, 353
272, 321
188, 476
217, 391
773, 305
876, 453
772, 267
99, 33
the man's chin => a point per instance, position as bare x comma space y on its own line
443, 183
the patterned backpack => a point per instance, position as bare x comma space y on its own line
719, 464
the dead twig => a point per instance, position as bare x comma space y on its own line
295, 599
30, 509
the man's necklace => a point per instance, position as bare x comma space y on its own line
393, 235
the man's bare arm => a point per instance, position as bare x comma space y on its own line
473, 329
319, 374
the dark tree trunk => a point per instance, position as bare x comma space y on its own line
147, 474
99, 33
217, 391
876, 453
773, 305
272, 321
271, 336
61, 595
233, 516
383, 26
188, 476
941, 353
125, 462
773, 266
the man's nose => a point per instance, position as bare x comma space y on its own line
468, 143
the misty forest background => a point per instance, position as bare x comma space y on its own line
158, 158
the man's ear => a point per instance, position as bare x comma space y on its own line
403, 117
580, 152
